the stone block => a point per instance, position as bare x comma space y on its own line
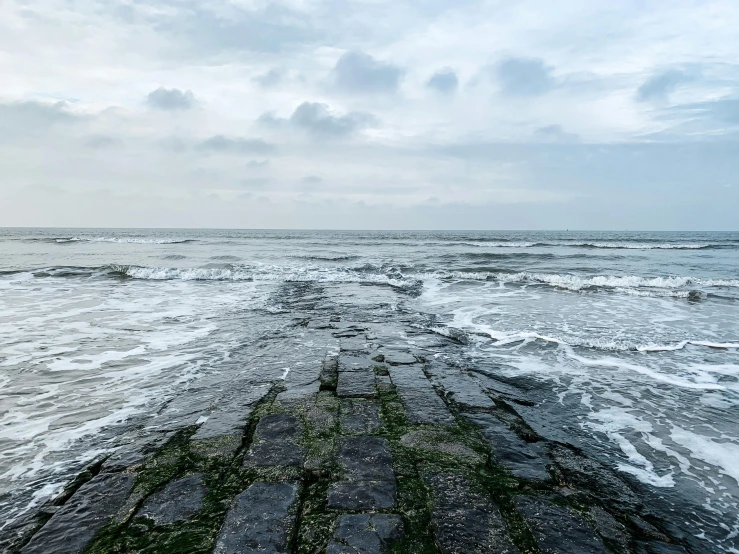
261, 520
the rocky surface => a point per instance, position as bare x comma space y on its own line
72, 528
371, 447
261, 520
178, 501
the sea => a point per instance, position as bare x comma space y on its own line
632, 336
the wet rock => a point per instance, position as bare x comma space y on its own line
356, 384
424, 406
356, 344
362, 495
439, 440
498, 389
219, 446
329, 373
354, 363
421, 402
276, 442
659, 548
222, 423
524, 460
383, 382
368, 479
359, 416
179, 500
459, 387
365, 458
365, 533
297, 395
261, 520
646, 529
72, 528
464, 520
591, 475
609, 528
136, 453
557, 529
394, 357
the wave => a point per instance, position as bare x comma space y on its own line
607, 245
338, 258
641, 246
577, 283
595, 343
123, 240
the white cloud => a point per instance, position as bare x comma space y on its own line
474, 104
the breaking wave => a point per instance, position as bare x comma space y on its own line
577, 283
123, 240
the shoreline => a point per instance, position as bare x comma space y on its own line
378, 449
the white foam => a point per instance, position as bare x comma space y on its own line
723, 455
122, 240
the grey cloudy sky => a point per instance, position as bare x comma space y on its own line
370, 114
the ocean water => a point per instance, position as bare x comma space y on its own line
631, 340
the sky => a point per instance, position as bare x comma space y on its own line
370, 114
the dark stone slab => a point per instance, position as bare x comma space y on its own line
261, 520
360, 416
356, 384
557, 529
179, 500
592, 475
646, 529
365, 533
365, 459
395, 357
424, 406
609, 528
524, 460
438, 439
419, 398
459, 386
362, 495
464, 520
329, 372
223, 423
409, 377
276, 442
659, 548
72, 528
354, 363
136, 453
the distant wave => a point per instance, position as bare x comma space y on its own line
341, 258
126, 240
596, 343
610, 245
576, 283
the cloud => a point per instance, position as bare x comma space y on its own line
359, 73
312, 180
234, 29
554, 133
524, 76
24, 117
170, 99
661, 85
720, 113
269, 79
444, 81
315, 118
101, 141
237, 145
258, 164
256, 182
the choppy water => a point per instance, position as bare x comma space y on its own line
634, 335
